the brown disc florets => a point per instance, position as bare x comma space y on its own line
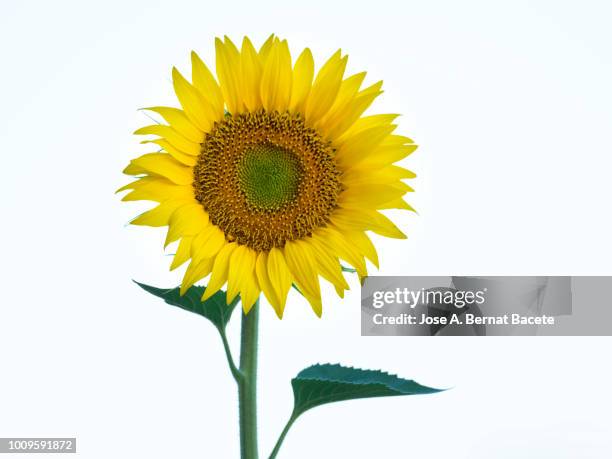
266, 178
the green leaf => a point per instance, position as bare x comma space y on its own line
321, 384
214, 309
346, 269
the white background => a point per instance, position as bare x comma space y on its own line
510, 102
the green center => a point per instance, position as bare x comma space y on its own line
269, 176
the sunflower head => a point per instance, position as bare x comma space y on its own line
268, 175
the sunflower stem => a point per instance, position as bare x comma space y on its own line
228, 354
282, 436
247, 384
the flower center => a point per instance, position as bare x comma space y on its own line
265, 179
269, 176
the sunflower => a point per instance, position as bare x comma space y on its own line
269, 176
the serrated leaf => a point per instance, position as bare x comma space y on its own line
214, 308
327, 383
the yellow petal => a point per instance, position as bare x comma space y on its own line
355, 109
205, 83
276, 79
133, 169
264, 51
384, 155
369, 195
207, 243
397, 140
315, 303
263, 278
156, 189
183, 252
228, 72
328, 265
219, 271
164, 165
187, 220
364, 245
249, 293
397, 204
353, 219
397, 172
365, 219
179, 121
364, 123
241, 270
197, 109
325, 88
303, 72
251, 75
301, 263
183, 158
196, 271
336, 243
172, 136
346, 94
362, 144
354, 181
359, 175
280, 278
160, 215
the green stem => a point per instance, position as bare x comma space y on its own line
228, 354
247, 384
282, 436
